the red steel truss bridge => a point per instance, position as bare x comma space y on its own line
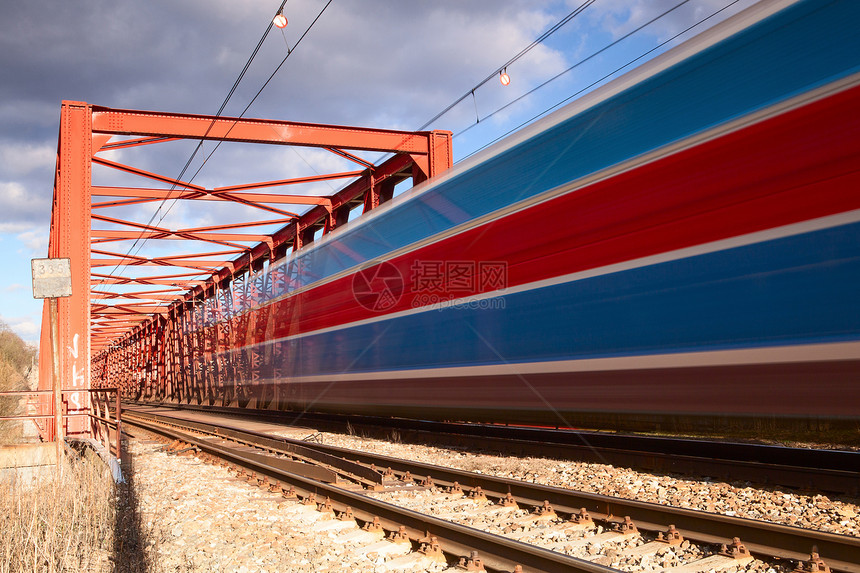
129, 315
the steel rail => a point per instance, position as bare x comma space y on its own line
497, 553
841, 552
833, 471
337, 464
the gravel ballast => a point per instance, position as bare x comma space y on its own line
811, 511
198, 517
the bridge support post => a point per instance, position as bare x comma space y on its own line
70, 238
119, 324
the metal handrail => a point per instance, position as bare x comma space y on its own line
99, 421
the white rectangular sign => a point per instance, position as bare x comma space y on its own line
52, 278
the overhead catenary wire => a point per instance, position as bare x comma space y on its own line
266, 83
596, 82
537, 41
220, 111
244, 111
490, 76
196, 149
557, 26
580, 62
141, 239
247, 107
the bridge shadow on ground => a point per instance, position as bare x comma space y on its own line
129, 552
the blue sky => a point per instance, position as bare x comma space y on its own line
366, 62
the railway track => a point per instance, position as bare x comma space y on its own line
832, 471
451, 514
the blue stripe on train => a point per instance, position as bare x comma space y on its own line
803, 47
796, 290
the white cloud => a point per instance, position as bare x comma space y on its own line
366, 62
35, 242
12, 192
619, 17
20, 207
19, 158
27, 327
14, 287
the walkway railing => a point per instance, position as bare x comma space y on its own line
102, 418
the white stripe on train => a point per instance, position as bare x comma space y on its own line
793, 229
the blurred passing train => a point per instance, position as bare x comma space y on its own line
679, 246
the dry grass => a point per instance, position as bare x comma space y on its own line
16, 358
10, 380
77, 522
59, 523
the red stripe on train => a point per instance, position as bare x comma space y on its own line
790, 168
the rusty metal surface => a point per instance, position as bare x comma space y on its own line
832, 471
294, 447
99, 415
237, 451
70, 238
841, 552
118, 322
497, 553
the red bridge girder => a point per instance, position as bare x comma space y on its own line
125, 331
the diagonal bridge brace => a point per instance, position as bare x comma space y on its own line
147, 335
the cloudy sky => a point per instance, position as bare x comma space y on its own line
371, 63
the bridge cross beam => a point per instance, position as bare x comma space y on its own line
103, 335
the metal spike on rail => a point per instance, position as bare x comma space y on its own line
455, 490
582, 518
346, 515
508, 501
326, 507
671, 537
471, 563
735, 550
477, 494
431, 548
373, 526
399, 536
627, 527
815, 564
311, 499
545, 511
